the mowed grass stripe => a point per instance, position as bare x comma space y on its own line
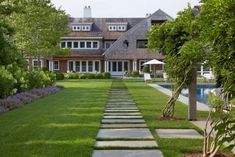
62, 124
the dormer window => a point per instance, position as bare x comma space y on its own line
117, 27
82, 27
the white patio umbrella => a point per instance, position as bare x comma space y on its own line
154, 62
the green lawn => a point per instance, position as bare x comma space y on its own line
62, 125
150, 102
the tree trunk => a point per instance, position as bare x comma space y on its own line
192, 110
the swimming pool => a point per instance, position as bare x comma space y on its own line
202, 91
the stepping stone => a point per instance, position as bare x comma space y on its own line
121, 103
123, 126
123, 114
127, 133
126, 144
121, 108
127, 153
126, 121
113, 111
179, 133
123, 117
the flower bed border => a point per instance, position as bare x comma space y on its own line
23, 98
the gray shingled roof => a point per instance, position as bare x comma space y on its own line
139, 31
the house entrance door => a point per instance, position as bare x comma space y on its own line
117, 68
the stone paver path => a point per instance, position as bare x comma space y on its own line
179, 133
123, 132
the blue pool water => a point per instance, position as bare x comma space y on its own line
202, 91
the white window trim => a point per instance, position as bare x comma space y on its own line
41, 65
79, 41
93, 66
54, 65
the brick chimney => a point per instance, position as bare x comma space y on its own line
87, 12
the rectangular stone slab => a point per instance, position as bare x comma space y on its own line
121, 108
123, 117
124, 121
128, 133
113, 111
123, 114
127, 153
123, 125
179, 133
126, 144
121, 103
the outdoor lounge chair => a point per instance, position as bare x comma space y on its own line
147, 77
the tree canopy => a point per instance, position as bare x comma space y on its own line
39, 27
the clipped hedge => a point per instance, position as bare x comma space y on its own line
104, 75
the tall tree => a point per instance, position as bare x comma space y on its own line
178, 41
39, 28
218, 22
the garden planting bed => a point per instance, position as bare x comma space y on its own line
20, 99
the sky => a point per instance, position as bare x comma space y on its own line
123, 8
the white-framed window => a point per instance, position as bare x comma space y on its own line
56, 65
117, 27
69, 44
37, 63
95, 45
62, 44
89, 44
80, 44
81, 27
84, 66
75, 44
122, 27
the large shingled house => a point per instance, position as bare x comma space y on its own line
112, 45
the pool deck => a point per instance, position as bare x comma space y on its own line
182, 98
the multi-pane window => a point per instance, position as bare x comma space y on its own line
117, 27
69, 44
77, 66
83, 66
75, 44
90, 66
80, 44
97, 66
88, 44
95, 44
37, 63
63, 44
56, 65
141, 43
125, 66
82, 27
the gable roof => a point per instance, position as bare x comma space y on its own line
139, 31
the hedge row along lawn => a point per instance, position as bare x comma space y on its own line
64, 124
150, 103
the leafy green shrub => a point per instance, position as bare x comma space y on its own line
20, 75
82, 76
146, 69
7, 83
40, 78
135, 74
99, 76
73, 75
59, 76
106, 75
90, 76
